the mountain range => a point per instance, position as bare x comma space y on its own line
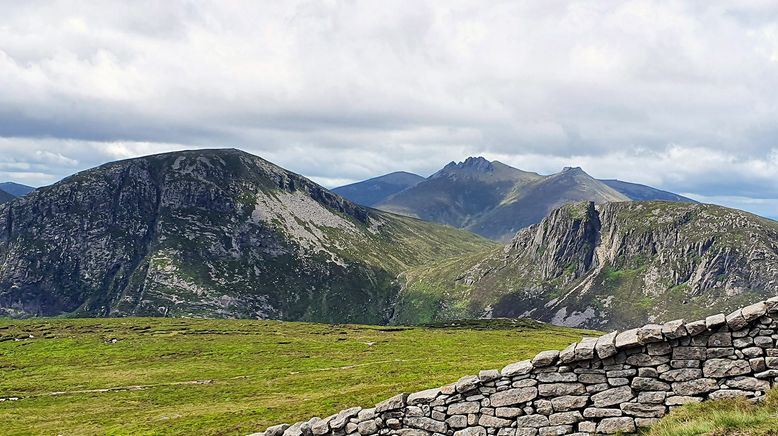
222, 233
10, 190
606, 266
492, 199
216, 233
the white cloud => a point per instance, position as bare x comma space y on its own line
677, 94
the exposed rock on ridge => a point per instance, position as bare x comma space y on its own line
609, 265
216, 233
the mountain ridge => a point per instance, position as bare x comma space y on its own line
15, 189
216, 233
369, 192
606, 266
493, 199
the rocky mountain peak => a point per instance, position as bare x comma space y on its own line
217, 233
574, 171
471, 165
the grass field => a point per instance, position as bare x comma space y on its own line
174, 376
736, 417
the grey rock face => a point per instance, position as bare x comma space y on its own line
203, 234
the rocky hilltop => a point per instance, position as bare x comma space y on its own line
607, 266
216, 233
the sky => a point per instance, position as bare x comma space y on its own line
678, 95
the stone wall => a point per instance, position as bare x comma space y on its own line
615, 383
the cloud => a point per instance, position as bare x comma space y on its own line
677, 94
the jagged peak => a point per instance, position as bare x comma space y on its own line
479, 165
573, 171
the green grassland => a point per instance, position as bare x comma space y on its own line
174, 376
735, 417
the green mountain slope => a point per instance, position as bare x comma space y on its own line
373, 191
217, 233
615, 265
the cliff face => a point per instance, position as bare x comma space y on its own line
609, 266
207, 233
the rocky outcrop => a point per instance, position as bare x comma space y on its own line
213, 233
611, 266
614, 383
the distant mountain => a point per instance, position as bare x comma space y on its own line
493, 199
373, 191
5, 197
606, 267
460, 192
639, 192
16, 189
532, 202
208, 233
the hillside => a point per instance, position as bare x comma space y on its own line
532, 202
638, 192
231, 377
495, 200
372, 191
460, 193
607, 266
16, 189
216, 233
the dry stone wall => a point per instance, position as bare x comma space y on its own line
618, 382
